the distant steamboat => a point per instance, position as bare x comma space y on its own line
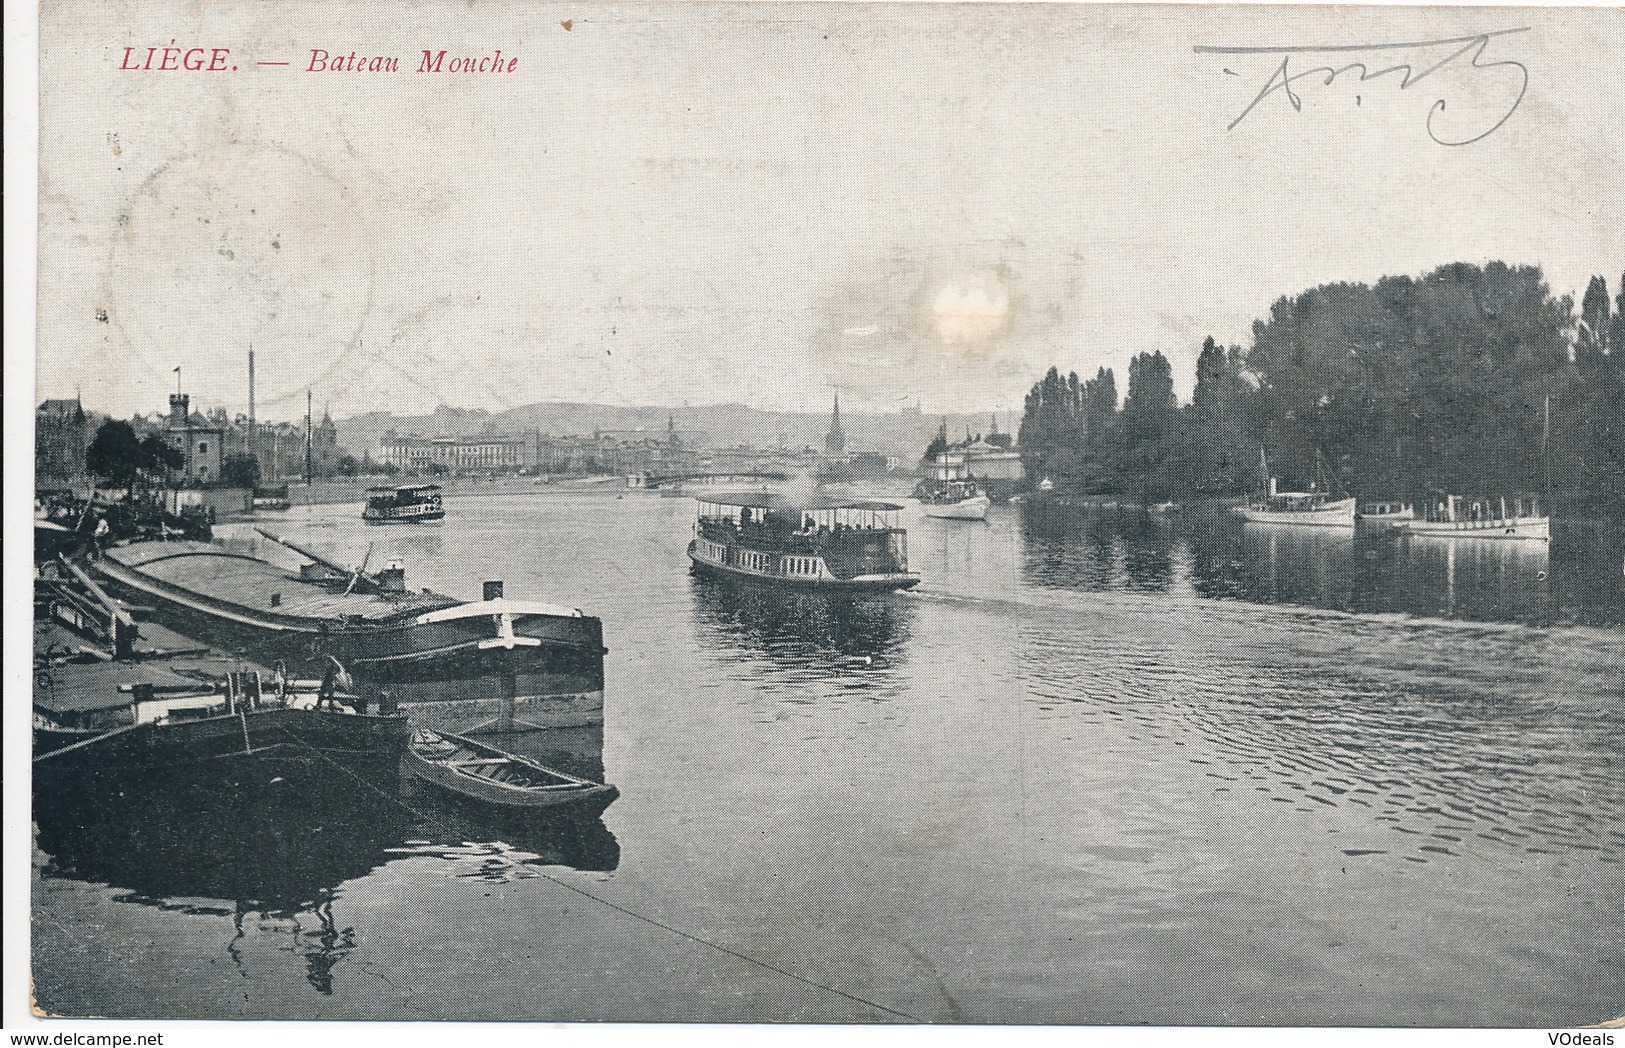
821, 543
1300, 507
408, 504
956, 500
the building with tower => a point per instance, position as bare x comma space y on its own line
197, 439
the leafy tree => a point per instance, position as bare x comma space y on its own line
1595, 328
1052, 430
348, 466
116, 454
1221, 442
1588, 430
1148, 452
1406, 386
1100, 403
1432, 383
1101, 433
1616, 335
241, 470
160, 454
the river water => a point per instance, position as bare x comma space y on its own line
1098, 768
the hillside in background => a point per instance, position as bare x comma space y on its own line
722, 425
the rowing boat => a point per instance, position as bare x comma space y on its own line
482, 773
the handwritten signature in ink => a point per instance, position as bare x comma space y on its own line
1283, 77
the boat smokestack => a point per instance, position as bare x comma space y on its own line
493, 590
1272, 487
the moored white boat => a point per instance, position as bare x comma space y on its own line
1482, 518
1383, 513
1300, 507
1314, 508
956, 500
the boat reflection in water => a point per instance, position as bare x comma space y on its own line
799, 630
275, 861
276, 851
502, 842
271, 860
1484, 577
1210, 554
1096, 549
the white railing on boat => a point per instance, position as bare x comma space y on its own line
501, 606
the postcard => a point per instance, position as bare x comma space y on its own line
1045, 514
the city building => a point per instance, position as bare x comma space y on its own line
492, 452
198, 439
979, 460
61, 437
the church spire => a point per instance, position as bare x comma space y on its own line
835, 440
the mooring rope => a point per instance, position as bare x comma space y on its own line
617, 907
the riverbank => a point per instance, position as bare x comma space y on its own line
354, 489
1144, 734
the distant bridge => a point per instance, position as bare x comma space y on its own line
677, 480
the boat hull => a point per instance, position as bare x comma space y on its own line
966, 509
49, 737
822, 583
1338, 514
433, 517
1532, 529
1383, 521
252, 748
416, 662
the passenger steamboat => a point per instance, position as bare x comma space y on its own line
407, 504
820, 543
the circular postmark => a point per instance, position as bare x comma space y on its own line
241, 245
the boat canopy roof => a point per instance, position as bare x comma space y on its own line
403, 489
813, 503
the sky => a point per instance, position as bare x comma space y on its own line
764, 204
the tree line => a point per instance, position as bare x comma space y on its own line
1470, 379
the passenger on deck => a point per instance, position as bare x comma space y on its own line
327, 692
